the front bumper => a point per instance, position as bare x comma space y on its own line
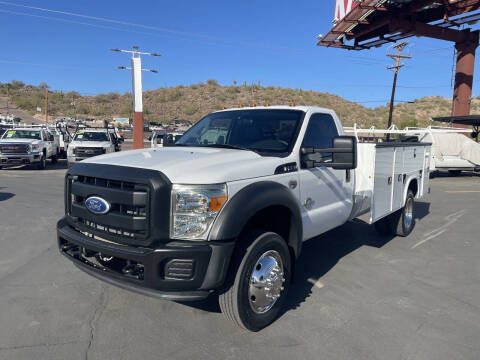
72, 159
176, 270
13, 159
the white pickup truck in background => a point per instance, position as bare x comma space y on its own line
28, 145
226, 209
90, 142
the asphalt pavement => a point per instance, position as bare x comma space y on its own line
356, 295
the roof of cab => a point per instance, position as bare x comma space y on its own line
280, 107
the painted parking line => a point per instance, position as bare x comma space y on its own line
449, 220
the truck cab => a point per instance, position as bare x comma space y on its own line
28, 145
225, 211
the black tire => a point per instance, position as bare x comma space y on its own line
43, 163
455, 172
236, 301
54, 159
384, 226
403, 221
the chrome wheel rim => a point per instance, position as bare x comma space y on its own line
408, 213
266, 282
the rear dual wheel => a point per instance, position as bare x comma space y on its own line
401, 222
258, 281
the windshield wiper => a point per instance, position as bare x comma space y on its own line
228, 146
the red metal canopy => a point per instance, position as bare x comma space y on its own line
373, 23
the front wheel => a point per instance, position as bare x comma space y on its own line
258, 281
43, 163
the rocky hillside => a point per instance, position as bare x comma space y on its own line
194, 101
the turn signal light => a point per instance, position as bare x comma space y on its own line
266, 103
240, 105
217, 202
253, 104
292, 103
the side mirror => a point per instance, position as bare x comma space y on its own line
344, 154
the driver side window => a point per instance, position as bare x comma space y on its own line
320, 133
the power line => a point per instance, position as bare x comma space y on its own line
185, 34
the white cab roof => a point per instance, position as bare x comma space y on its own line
281, 107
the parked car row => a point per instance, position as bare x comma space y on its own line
34, 145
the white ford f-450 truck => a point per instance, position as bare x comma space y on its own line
28, 145
227, 208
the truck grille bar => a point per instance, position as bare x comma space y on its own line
88, 151
128, 217
15, 148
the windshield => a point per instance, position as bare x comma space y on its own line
91, 136
263, 131
22, 134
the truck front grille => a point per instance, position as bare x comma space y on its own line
139, 201
15, 148
88, 151
128, 217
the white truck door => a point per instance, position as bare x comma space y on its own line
48, 143
326, 195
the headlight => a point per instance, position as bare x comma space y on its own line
194, 208
35, 147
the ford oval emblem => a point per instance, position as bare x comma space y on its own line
97, 205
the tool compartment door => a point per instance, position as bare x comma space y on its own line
383, 182
426, 171
397, 181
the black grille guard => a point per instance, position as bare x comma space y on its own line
139, 198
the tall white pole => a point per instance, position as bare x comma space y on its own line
137, 102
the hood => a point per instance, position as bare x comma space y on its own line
20, 141
87, 144
195, 165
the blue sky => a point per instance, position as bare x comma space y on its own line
268, 41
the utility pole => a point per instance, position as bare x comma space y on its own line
397, 57
74, 108
8, 98
137, 103
46, 104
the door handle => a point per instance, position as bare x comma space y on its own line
308, 203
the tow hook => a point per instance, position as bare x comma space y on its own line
133, 270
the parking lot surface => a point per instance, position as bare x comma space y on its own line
356, 295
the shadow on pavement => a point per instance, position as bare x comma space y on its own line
446, 174
60, 165
321, 254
